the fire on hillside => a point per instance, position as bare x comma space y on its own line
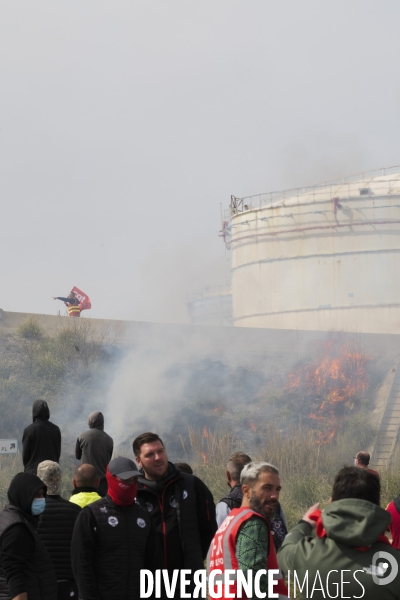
330, 385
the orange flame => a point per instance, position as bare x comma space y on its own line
252, 426
204, 456
205, 432
330, 383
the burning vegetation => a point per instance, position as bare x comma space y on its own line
330, 386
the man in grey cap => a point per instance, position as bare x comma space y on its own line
95, 447
55, 528
113, 539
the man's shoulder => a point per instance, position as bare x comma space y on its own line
58, 503
188, 484
100, 502
29, 428
254, 521
52, 426
94, 433
187, 478
195, 482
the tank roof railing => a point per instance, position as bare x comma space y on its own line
239, 205
210, 291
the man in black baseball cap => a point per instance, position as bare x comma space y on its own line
113, 539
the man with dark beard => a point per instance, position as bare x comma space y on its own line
244, 540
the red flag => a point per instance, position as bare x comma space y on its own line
84, 300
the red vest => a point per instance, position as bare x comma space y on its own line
222, 553
74, 310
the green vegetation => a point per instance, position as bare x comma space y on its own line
63, 369
30, 329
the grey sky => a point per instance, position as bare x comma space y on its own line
123, 125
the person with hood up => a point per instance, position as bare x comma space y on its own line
86, 483
181, 505
350, 557
114, 538
41, 440
95, 447
55, 528
26, 570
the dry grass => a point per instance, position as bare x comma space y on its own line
307, 469
210, 451
10, 465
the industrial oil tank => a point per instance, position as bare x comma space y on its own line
320, 258
211, 306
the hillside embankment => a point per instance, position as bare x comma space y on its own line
248, 343
220, 390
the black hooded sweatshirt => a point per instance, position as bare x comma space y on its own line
95, 447
41, 440
25, 565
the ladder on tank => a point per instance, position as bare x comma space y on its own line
389, 427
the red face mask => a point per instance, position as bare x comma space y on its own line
122, 494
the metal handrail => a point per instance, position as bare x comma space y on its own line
239, 205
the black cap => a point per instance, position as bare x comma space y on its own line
124, 468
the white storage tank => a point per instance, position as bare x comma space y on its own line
319, 258
211, 306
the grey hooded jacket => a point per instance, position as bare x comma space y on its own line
95, 446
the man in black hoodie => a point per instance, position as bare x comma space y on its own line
26, 571
95, 447
182, 506
41, 440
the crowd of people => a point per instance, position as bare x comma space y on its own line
127, 515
